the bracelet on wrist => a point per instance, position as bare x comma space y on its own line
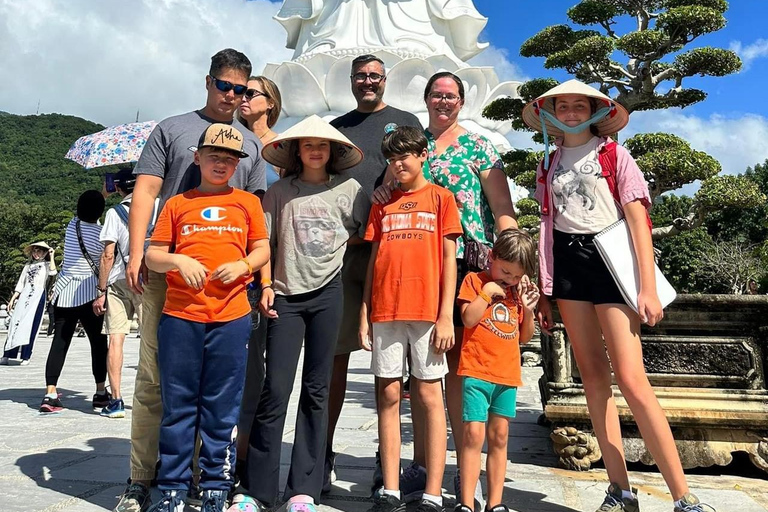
485, 297
266, 283
247, 263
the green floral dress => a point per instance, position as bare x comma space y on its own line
458, 169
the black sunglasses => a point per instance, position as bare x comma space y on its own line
225, 86
253, 93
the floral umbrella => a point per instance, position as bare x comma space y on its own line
111, 146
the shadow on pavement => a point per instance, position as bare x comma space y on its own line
54, 470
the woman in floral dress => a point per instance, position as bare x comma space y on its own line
468, 165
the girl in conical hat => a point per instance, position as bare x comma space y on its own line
586, 185
27, 303
312, 213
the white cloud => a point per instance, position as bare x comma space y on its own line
751, 52
104, 60
736, 142
499, 59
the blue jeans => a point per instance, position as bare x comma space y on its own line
202, 369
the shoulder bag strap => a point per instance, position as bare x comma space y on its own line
83, 249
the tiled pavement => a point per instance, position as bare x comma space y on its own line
78, 461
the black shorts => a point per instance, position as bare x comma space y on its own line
580, 273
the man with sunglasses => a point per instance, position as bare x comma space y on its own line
167, 168
366, 127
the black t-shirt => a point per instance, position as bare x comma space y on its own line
367, 131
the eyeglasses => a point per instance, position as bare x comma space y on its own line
448, 98
253, 93
374, 77
225, 86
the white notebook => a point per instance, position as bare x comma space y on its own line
615, 246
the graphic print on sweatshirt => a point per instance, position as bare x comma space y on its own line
316, 228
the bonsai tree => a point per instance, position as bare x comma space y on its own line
648, 76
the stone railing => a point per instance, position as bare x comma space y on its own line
707, 362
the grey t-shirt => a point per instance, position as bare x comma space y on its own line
170, 154
367, 132
309, 226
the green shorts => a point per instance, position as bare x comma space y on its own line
481, 397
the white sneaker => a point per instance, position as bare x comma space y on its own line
24, 362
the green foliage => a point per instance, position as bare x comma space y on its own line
729, 191
685, 23
40, 187
680, 258
645, 44
32, 163
591, 12
593, 50
528, 206
660, 28
528, 222
670, 207
708, 61
24, 224
746, 225
668, 162
520, 165
718, 5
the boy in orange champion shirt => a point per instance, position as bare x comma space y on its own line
219, 239
497, 311
409, 292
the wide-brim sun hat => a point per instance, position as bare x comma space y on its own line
617, 118
277, 151
42, 245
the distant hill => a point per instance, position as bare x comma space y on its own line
32, 164
38, 186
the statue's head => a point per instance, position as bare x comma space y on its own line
368, 80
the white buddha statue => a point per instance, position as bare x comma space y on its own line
409, 28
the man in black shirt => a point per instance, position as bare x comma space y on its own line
366, 127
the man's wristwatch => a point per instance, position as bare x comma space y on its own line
101, 291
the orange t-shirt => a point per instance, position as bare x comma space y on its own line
213, 229
491, 349
410, 230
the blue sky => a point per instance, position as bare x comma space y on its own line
511, 23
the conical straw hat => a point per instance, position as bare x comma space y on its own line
277, 153
616, 119
42, 245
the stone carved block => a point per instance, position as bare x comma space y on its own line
707, 361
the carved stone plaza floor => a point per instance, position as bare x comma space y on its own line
77, 461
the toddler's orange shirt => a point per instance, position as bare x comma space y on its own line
213, 229
490, 350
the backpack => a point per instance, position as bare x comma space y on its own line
607, 158
122, 213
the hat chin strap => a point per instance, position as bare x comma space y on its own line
544, 115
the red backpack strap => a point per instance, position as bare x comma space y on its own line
608, 158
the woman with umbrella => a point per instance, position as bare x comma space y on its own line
28, 302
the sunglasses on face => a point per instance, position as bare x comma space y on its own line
449, 98
373, 77
225, 86
253, 93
